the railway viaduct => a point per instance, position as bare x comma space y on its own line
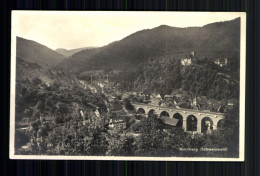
190, 120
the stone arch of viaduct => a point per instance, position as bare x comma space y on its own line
186, 114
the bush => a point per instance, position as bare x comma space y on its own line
20, 139
59, 119
128, 105
36, 81
135, 127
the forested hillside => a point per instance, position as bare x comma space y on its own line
210, 41
34, 52
202, 77
68, 53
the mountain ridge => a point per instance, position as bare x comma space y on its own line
221, 39
34, 52
70, 52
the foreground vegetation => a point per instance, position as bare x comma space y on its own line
63, 99
67, 135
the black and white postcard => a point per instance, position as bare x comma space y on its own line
162, 86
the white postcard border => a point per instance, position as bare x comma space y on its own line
12, 155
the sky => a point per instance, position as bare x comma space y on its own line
71, 30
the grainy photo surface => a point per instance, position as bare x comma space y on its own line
128, 85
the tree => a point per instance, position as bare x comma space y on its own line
35, 125
152, 135
63, 109
75, 139
23, 90
40, 106
36, 81
21, 138
121, 146
96, 144
128, 105
56, 84
230, 130
28, 112
150, 144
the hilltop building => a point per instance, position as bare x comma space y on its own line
188, 60
221, 62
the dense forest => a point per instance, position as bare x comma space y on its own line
34, 52
164, 75
34, 98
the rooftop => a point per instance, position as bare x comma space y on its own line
49, 118
169, 121
168, 96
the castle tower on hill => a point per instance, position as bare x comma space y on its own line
188, 60
192, 54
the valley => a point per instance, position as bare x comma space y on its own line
152, 93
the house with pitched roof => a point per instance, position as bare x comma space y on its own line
170, 123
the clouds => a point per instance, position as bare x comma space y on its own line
85, 29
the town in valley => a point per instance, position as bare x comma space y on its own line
134, 100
